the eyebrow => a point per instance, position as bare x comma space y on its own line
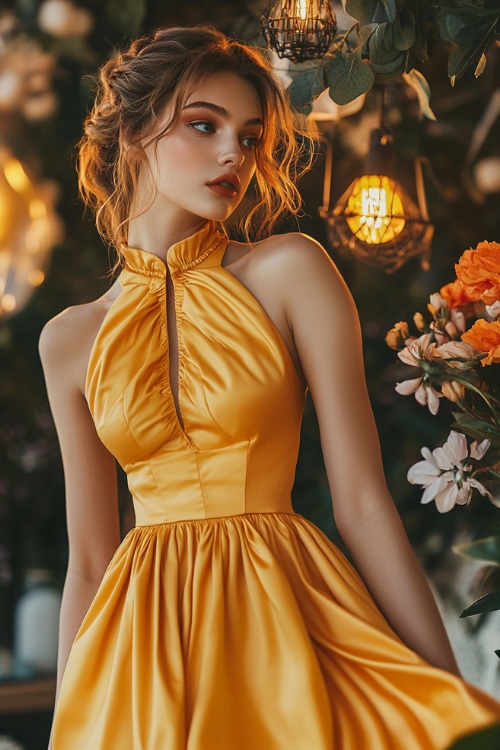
218, 110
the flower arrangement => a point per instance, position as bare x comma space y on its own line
459, 362
457, 354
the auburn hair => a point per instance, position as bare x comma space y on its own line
164, 68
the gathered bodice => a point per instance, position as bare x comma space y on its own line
240, 399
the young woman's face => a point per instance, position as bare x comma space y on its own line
205, 162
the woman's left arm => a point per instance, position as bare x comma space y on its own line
324, 322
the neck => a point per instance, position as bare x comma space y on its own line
160, 227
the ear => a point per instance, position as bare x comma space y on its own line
132, 145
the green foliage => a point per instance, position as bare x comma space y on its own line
487, 603
348, 76
476, 428
486, 739
389, 37
487, 549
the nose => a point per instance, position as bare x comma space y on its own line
231, 153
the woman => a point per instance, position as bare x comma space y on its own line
225, 620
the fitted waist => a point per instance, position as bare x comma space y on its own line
192, 484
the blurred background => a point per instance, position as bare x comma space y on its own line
51, 257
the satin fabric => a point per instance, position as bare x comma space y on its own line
226, 620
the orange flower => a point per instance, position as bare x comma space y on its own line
478, 272
454, 295
485, 337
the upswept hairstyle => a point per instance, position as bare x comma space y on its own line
165, 68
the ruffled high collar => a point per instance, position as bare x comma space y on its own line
181, 256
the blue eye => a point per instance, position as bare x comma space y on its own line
202, 126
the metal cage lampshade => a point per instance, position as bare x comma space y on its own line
299, 30
375, 219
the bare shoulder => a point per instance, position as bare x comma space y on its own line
300, 268
66, 340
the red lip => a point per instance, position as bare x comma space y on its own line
230, 177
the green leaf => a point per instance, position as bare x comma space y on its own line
306, 86
471, 46
417, 81
487, 549
476, 428
404, 30
487, 603
378, 51
485, 739
362, 10
389, 7
394, 68
348, 77
421, 21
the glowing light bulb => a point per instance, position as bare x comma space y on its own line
302, 8
374, 211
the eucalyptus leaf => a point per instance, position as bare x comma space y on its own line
421, 21
453, 25
348, 77
485, 739
471, 46
378, 50
403, 34
306, 86
389, 10
362, 10
395, 66
487, 603
417, 81
487, 549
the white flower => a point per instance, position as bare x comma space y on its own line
458, 318
424, 393
493, 311
445, 476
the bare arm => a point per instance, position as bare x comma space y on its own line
89, 471
325, 325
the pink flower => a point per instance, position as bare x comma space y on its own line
418, 350
457, 354
424, 393
446, 478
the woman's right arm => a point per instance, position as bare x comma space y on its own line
89, 470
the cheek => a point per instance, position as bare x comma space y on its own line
178, 155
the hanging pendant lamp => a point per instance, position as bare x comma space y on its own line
299, 30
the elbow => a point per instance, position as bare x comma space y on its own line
89, 571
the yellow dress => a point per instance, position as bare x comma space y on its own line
226, 621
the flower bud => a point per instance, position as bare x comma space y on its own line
397, 336
419, 321
453, 391
438, 306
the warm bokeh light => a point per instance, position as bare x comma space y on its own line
29, 228
8, 303
374, 211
